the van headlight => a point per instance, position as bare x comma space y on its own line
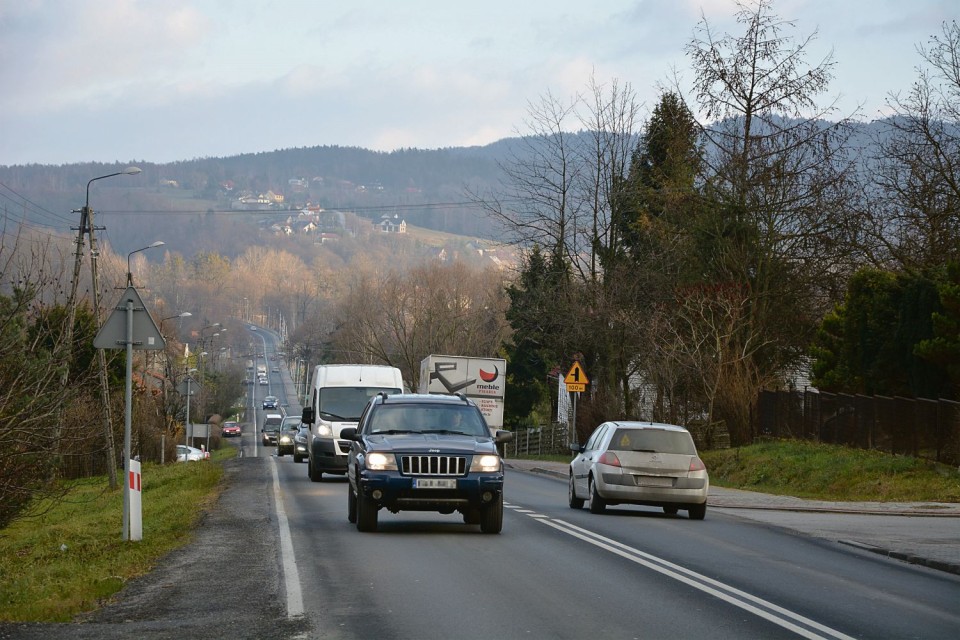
324, 430
486, 463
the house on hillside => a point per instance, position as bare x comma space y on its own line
392, 224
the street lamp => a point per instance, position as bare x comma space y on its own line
129, 171
158, 243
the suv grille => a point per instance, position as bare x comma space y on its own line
433, 465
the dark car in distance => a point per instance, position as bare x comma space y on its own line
419, 452
271, 402
288, 430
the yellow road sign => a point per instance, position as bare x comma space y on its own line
576, 386
576, 376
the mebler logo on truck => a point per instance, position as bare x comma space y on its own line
483, 380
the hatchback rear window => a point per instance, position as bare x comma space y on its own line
653, 440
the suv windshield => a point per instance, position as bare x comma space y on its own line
347, 403
425, 418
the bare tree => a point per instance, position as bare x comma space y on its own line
777, 182
400, 318
915, 204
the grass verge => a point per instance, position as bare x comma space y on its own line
72, 558
830, 472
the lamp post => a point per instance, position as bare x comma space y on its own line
158, 243
87, 227
167, 373
187, 427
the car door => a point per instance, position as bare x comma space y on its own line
583, 462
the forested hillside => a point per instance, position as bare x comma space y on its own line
194, 205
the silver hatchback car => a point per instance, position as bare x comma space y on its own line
645, 463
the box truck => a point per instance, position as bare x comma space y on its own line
483, 380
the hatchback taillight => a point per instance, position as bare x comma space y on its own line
696, 464
609, 458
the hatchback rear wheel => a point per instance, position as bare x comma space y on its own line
697, 511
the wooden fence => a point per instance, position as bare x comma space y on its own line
548, 440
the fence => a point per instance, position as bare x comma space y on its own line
918, 427
547, 440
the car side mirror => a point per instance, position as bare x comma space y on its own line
307, 416
503, 436
576, 447
350, 433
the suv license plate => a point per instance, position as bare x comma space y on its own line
434, 483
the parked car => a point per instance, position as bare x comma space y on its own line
300, 443
288, 430
189, 454
230, 429
422, 452
643, 463
270, 402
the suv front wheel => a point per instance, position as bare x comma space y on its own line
491, 516
366, 513
351, 506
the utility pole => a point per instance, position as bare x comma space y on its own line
102, 358
66, 347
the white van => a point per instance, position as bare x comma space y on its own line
338, 394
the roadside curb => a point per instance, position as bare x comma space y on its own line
939, 565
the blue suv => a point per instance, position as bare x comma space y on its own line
419, 452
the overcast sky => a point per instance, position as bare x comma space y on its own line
168, 80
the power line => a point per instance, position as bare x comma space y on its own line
20, 199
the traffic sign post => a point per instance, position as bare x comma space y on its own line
129, 326
576, 381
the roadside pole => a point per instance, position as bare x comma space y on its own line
129, 326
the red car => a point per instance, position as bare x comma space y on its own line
230, 429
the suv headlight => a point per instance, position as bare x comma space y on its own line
486, 463
381, 462
285, 439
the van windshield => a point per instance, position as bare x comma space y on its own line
347, 403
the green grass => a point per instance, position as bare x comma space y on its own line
829, 472
72, 557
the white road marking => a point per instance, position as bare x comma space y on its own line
758, 606
291, 577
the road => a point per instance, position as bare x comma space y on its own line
277, 558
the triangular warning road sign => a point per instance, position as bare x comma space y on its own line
576, 375
113, 333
